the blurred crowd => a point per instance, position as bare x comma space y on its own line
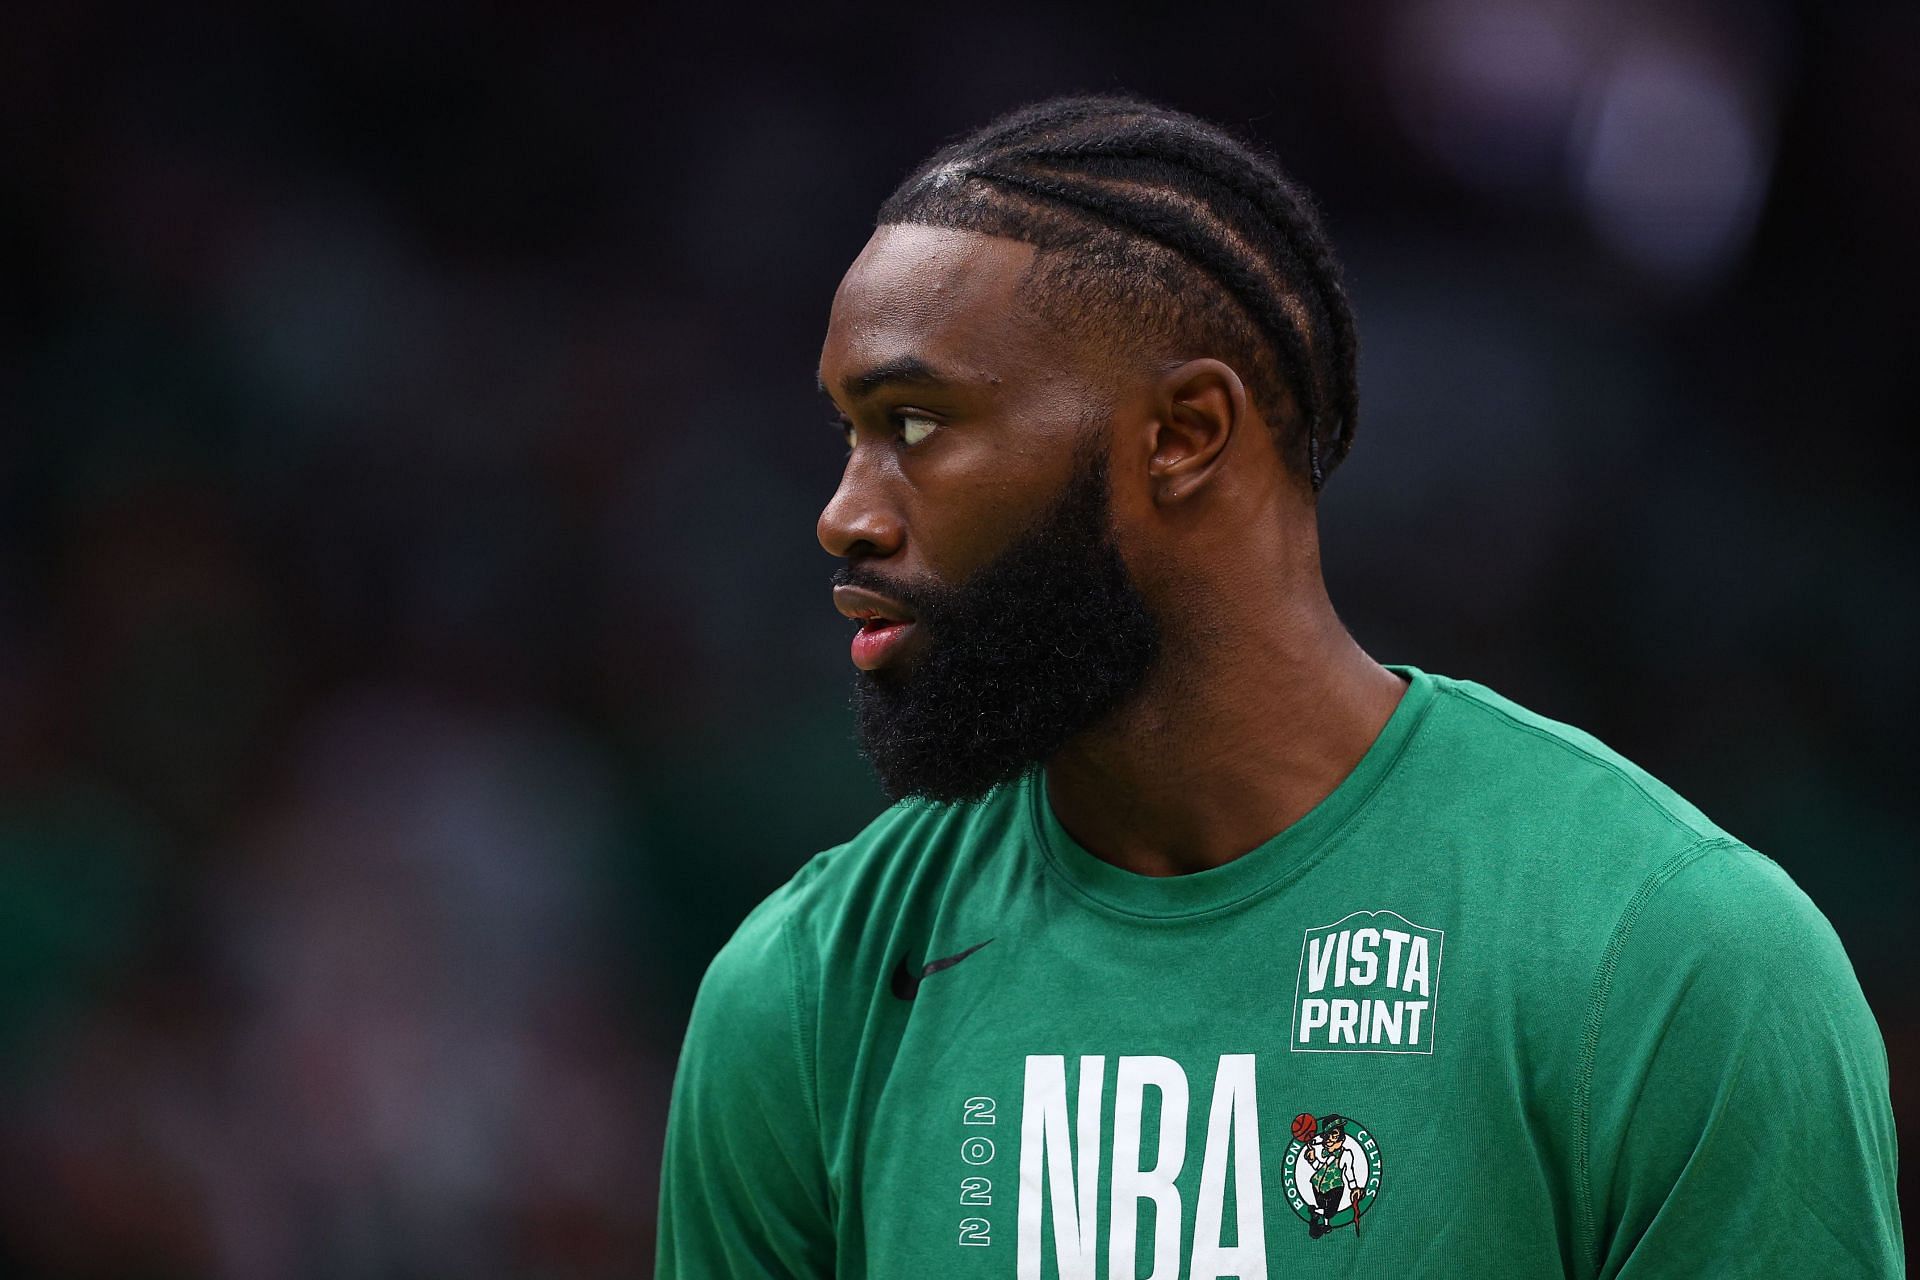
415, 656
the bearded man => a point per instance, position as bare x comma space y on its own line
1172, 858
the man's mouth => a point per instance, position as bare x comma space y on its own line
886, 626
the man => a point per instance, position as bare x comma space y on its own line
1173, 859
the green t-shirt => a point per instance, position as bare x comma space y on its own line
1568, 1026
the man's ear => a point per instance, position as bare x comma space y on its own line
1198, 407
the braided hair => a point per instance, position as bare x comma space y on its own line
1160, 229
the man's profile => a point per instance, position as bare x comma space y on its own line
1173, 862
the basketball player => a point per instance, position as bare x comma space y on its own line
1173, 859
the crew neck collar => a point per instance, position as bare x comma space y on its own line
1268, 864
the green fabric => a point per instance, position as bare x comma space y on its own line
1574, 1028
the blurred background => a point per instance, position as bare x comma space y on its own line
415, 656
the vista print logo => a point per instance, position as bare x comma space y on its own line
1369, 983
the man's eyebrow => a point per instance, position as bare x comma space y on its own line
910, 369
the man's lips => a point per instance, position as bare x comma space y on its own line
885, 625
861, 604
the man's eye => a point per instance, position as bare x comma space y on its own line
914, 429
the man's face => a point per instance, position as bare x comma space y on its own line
974, 518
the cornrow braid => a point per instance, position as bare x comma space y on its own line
1161, 229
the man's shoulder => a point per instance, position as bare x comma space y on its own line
1735, 909
1553, 823
1585, 831
1533, 764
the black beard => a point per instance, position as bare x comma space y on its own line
1041, 644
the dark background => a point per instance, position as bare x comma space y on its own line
415, 656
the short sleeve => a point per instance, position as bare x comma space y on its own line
743, 1189
1737, 1118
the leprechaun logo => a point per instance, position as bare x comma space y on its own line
1333, 1172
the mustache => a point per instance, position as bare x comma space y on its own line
925, 599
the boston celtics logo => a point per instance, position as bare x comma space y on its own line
1333, 1172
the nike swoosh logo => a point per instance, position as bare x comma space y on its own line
906, 983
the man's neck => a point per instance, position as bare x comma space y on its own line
1238, 735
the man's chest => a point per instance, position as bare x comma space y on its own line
1265, 1101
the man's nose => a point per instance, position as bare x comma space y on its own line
859, 520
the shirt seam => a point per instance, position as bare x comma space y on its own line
809, 1085
1037, 825
1590, 1037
